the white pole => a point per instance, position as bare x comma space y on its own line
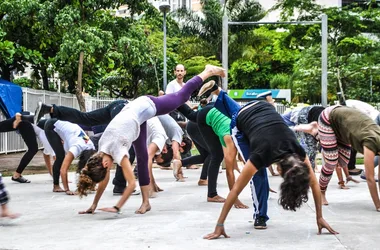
165, 69
225, 49
324, 60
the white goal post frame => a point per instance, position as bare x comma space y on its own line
324, 29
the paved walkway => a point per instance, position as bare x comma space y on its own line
179, 218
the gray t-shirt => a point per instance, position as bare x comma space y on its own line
172, 129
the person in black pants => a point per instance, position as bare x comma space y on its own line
97, 117
212, 144
27, 133
204, 155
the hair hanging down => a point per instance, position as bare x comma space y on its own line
93, 172
295, 187
166, 157
188, 142
83, 158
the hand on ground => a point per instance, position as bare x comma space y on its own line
216, 234
323, 224
91, 210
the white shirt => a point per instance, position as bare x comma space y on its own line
173, 87
74, 138
156, 134
142, 107
363, 107
172, 129
40, 134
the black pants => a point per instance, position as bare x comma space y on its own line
200, 144
352, 162
96, 117
28, 135
101, 116
213, 147
56, 144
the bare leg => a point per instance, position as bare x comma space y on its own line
324, 200
17, 120
145, 206
338, 171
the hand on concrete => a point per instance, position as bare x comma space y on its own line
91, 210
219, 230
323, 224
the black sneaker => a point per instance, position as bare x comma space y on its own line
118, 190
41, 110
260, 223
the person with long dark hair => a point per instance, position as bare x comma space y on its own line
269, 140
129, 127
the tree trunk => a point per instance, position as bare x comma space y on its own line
340, 85
5, 73
78, 91
45, 81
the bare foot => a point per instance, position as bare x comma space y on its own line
17, 120
216, 198
145, 207
342, 186
324, 200
202, 182
10, 215
238, 204
177, 165
192, 167
58, 189
215, 71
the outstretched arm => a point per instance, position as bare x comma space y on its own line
188, 112
370, 175
317, 200
99, 192
69, 157
248, 171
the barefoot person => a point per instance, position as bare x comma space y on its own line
129, 127
268, 140
75, 141
215, 130
29, 136
5, 213
338, 129
98, 118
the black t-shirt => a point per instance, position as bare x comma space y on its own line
269, 137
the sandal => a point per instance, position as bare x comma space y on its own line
20, 179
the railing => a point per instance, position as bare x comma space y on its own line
12, 141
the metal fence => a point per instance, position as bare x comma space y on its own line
12, 142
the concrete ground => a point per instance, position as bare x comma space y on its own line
180, 217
